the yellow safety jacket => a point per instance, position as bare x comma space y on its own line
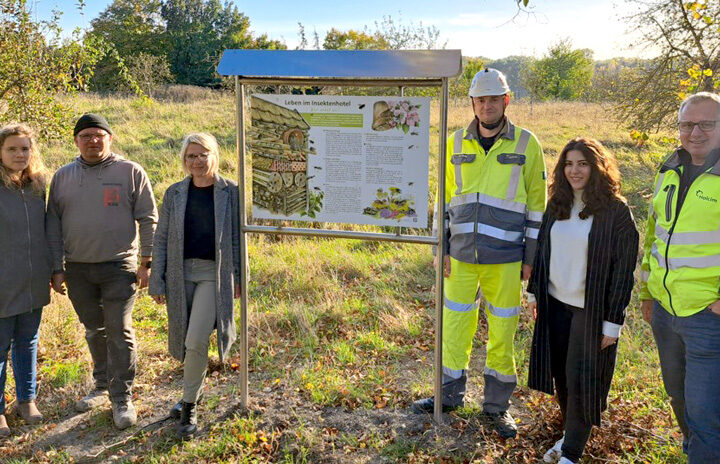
494, 201
681, 261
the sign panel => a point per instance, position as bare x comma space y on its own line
358, 160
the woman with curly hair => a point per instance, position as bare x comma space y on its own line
25, 273
581, 283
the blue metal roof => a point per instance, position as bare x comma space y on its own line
341, 64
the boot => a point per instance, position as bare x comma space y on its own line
452, 397
177, 409
4, 429
187, 426
29, 412
503, 423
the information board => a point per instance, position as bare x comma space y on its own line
343, 159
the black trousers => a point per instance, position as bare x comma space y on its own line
566, 339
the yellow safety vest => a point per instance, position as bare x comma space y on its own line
681, 262
494, 201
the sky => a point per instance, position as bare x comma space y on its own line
477, 27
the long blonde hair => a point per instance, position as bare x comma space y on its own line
35, 175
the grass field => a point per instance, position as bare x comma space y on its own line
341, 336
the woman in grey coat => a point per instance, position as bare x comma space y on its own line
25, 272
196, 267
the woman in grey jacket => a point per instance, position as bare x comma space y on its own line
25, 273
196, 267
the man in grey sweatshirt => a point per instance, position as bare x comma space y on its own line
96, 205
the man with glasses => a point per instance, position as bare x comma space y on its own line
95, 207
680, 287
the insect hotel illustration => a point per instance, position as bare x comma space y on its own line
278, 142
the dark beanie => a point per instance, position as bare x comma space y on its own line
91, 120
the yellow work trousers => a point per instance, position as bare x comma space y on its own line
500, 286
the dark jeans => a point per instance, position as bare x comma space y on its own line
567, 330
103, 295
20, 331
689, 349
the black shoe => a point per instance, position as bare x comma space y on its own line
453, 394
503, 423
187, 426
177, 409
427, 405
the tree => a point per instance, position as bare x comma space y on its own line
198, 31
149, 71
130, 28
36, 65
388, 35
688, 36
563, 73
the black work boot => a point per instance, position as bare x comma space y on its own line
452, 395
187, 426
177, 409
503, 423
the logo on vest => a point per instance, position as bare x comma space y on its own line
702, 196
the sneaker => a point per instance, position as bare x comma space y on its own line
4, 429
503, 423
29, 412
554, 454
92, 400
124, 414
566, 461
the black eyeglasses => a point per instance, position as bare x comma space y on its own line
688, 126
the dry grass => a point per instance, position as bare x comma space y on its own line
341, 335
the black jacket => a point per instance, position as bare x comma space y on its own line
612, 256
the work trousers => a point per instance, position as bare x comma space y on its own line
103, 295
500, 287
689, 349
200, 292
567, 334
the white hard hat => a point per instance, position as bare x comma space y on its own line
488, 82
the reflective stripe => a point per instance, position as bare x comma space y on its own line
453, 373
521, 147
688, 238
657, 189
514, 181
513, 206
532, 232
504, 312
457, 149
697, 262
534, 216
501, 377
460, 307
484, 229
644, 276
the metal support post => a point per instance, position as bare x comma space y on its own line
244, 268
437, 413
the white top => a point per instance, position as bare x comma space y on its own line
569, 267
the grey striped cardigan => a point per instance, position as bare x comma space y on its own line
612, 256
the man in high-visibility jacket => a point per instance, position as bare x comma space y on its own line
681, 276
495, 194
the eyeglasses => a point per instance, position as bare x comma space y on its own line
89, 137
199, 156
688, 126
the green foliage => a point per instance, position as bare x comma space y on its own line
198, 31
688, 37
149, 71
389, 34
36, 65
563, 73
